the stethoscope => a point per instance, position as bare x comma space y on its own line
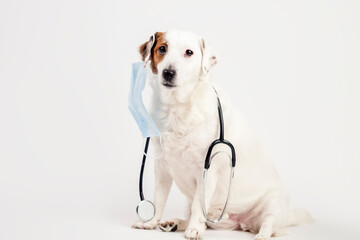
146, 209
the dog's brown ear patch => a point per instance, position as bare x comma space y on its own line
151, 48
144, 49
209, 57
213, 61
156, 57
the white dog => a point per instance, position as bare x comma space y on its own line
184, 108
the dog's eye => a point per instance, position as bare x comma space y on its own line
162, 50
189, 53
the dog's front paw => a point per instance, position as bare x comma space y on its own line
261, 237
195, 232
145, 225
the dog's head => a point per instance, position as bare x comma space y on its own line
177, 58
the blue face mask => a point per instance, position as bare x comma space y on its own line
136, 105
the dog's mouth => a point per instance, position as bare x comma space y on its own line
168, 85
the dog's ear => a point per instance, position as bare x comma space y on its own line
209, 57
146, 48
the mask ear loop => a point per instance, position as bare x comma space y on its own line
148, 56
161, 145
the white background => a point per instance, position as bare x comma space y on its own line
70, 151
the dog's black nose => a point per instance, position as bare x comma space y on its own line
168, 74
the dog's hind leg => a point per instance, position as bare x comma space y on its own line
274, 216
266, 228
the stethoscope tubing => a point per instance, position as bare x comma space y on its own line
207, 163
142, 169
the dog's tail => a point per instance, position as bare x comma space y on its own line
299, 217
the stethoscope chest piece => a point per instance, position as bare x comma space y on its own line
145, 210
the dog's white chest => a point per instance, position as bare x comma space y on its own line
187, 134
184, 156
